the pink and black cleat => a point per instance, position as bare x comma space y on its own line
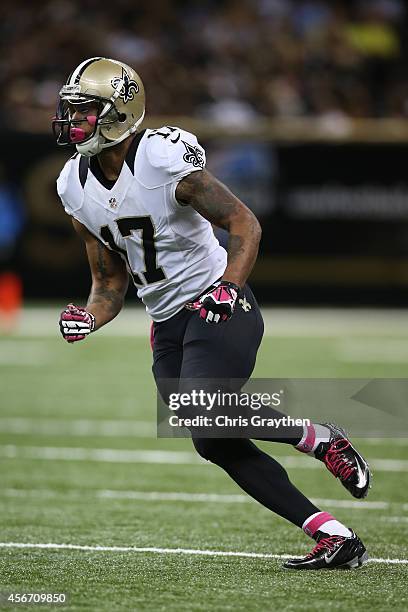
344, 462
332, 552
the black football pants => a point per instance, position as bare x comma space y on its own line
185, 347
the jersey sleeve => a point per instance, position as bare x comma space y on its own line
69, 187
170, 154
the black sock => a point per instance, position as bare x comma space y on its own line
284, 434
259, 475
292, 441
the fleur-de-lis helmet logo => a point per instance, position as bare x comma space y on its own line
129, 87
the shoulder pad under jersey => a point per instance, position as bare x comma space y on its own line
70, 184
167, 155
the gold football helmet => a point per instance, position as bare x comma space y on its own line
118, 93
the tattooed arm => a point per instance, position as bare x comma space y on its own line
109, 278
217, 204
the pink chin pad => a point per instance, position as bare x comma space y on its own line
77, 134
91, 119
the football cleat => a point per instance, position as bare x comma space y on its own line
344, 462
332, 552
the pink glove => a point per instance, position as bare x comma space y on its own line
218, 303
76, 323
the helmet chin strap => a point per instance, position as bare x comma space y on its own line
98, 142
93, 146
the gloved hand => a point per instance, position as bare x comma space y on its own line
76, 323
219, 302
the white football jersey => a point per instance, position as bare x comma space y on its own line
170, 250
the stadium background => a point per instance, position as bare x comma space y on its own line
302, 107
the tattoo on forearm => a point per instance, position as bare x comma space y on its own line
217, 204
209, 197
110, 299
100, 263
235, 247
102, 293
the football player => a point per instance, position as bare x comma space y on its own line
143, 202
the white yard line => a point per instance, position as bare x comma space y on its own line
385, 441
180, 496
110, 455
378, 465
24, 352
355, 505
113, 428
77, 427
279, 322
372, 350
168, 551
104, 455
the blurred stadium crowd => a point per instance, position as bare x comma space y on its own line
228, 60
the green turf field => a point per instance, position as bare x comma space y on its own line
76, 428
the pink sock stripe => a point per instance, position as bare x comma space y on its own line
307, 442
311, 526
152, 336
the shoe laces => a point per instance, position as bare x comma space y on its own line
328, 543
337, 462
